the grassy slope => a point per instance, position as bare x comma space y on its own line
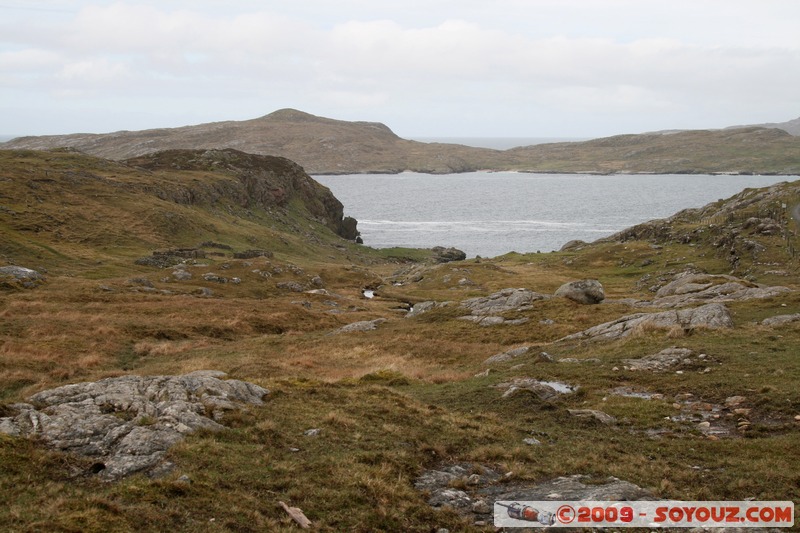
389, 402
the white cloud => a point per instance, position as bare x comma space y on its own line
494, 68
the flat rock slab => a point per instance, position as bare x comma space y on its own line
711, 316
19, 277
664, 360
18, 272
481, 486
544, 390
690, 289
364, 325
600, 416
487, 321
503, 301
780, 320
128, 423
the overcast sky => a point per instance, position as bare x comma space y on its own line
459, 68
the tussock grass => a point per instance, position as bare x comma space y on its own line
390, 403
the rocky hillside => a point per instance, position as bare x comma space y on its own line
65, 204
186, 345
325, 146
320, 145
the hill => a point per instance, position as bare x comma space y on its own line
65, 205
392, 394
326, 146
320, 145
790, 126
739, 151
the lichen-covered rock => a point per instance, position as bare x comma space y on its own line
13, 276
690, 288
128, 423
711, 316
364, 325
780, 320
481, 484
487, 321
447, 255
507, 356
503, 301
663, 360
423, 307
600, 416
545, 391
585, 291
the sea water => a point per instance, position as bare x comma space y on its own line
493, 213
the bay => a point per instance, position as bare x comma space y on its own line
493, 213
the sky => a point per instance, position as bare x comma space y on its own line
432, 68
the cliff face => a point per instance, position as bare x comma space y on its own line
66, 206
265, 181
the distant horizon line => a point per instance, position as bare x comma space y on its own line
497, 143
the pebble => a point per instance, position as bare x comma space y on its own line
481, 507
704, 425
797, 418
530, 441
733, 401
311, 432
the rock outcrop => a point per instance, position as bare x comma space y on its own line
480, 488
544, 390
711, 316
585, 291
13, 276
780, 320
485, 310
503, 301
507, 356
126, 424
364, 325
264, 181
663, 360
447, 255
690, 288
600, 416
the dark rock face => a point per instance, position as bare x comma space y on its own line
349, 230
263, 181
128, 423
446, 255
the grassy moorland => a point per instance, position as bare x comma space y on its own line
410, 395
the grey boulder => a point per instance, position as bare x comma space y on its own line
710, 316
128, 423
585, 291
